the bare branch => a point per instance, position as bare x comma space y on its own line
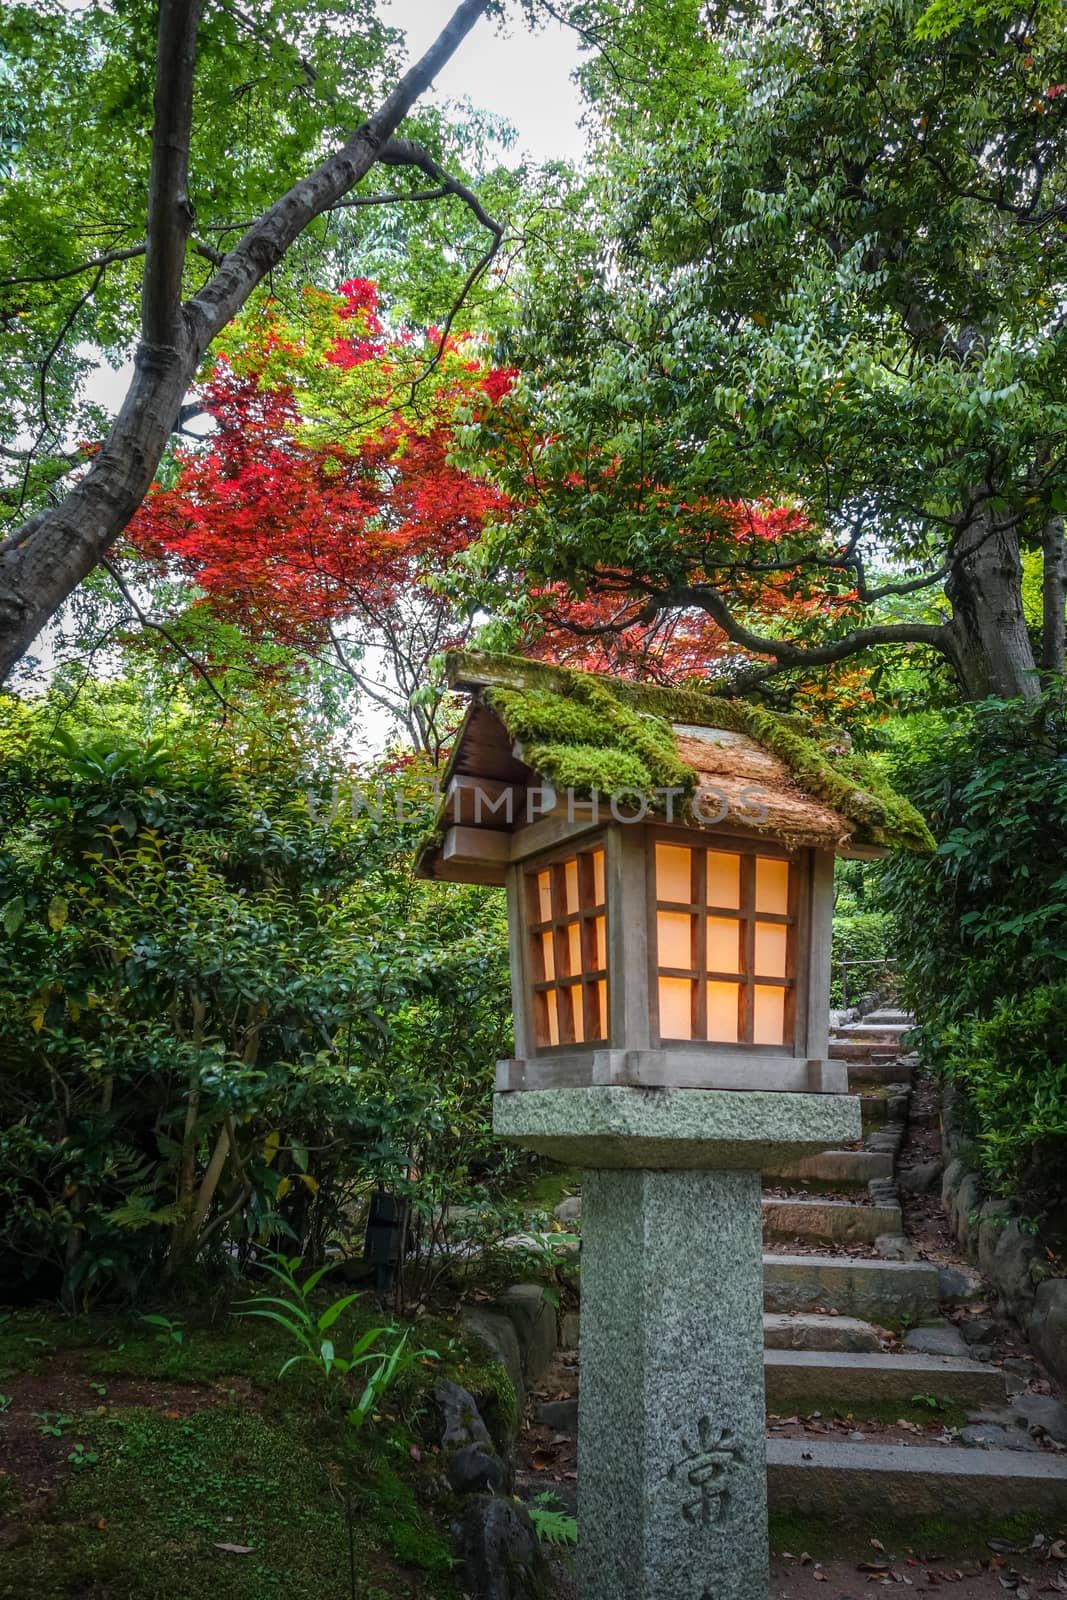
787, 654
405, 153
53, 348
157, 627
106, 260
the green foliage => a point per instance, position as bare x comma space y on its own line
865, 936
552, 1524
52, 1424
816, 263
981, 926
170, 1331
376, 1370
223, 1020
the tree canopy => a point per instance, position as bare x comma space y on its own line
210, 142
820, 261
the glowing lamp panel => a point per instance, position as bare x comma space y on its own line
725, 946
566, 906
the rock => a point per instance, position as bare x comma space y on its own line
499, 1553
471, 1461
461, 1421
993, 1219
569, 1211
955, 1285
1048, 1325
980, 1330
943, 1341
1043, 1412
810, 1331
497, 1334
474, 1470
560, 1415
921, 1178
895, 1247
569, 1329
1012, 1267
1023, 1365
534, 1322
990, 1436
980, 1352
965, 1215
950, 1182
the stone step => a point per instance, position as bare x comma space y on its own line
889, 1014
888, 1103
877, 1074
893, 1484
855, 1050
808, 1331
883, 1292
892, 1032
833, 1221
845, 1380
836, 1167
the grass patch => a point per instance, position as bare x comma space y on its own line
145, 1523
546, 1192
829, 1539
29, 1339
263, 1471
945, 1414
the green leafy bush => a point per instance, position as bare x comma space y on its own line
981, 927
221, 1020
865, 936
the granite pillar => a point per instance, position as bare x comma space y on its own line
672, 1497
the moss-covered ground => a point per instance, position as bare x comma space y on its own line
129, 1462
831, 1538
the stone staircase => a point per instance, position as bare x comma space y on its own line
827, 1311
854, 1328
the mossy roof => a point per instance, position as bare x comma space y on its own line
584, 731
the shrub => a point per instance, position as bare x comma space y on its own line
221, 1021
981, 926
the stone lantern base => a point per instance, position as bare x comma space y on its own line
672, 1500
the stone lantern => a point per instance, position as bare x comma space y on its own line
668, 859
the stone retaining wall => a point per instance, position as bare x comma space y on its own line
1014, 1260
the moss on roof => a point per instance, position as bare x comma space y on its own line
584, 731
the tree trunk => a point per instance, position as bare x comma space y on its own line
45, 559
987, 637
1053, 597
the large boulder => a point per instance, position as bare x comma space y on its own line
1048, 1325
534, 1321
921, 1178
993, 1219
496, 1335
461, 1421
1016, 1268
966, 1209
499, 1553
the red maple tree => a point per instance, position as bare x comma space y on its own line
323, 508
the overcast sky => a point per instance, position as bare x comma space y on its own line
523, 76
